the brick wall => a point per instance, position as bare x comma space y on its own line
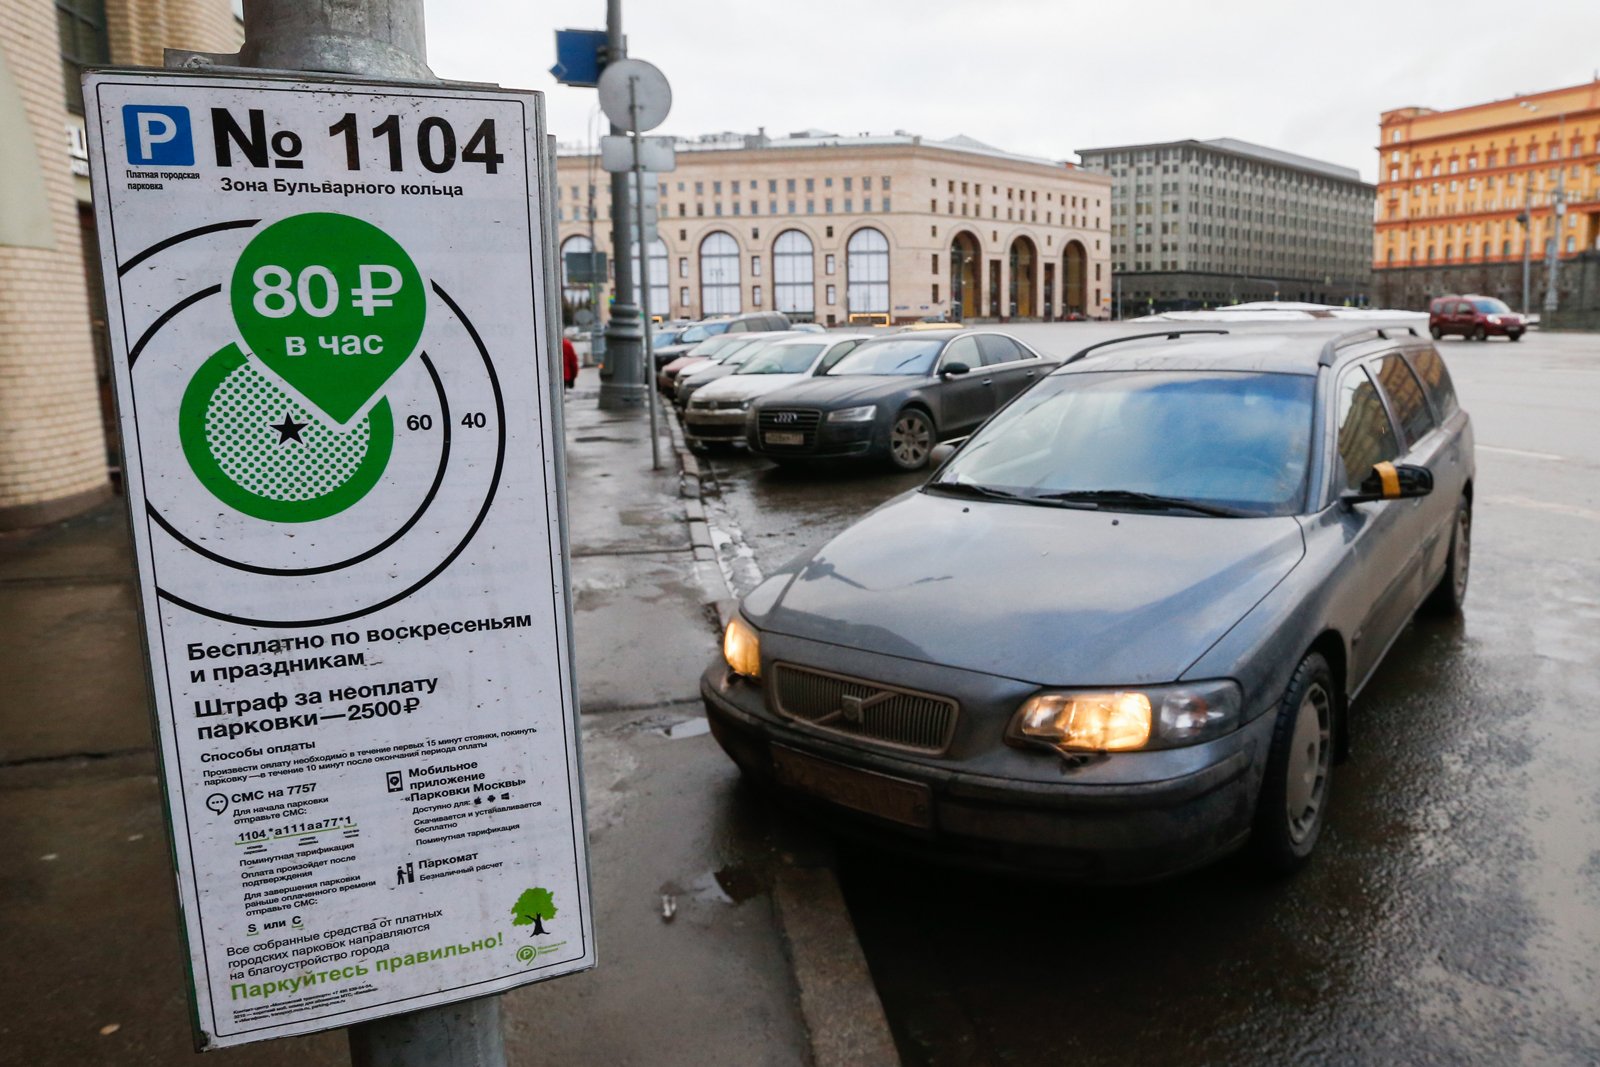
52, 447
140, 29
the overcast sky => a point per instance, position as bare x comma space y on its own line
1044, 77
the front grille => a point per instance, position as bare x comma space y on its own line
870, 711
789, 420
731, 431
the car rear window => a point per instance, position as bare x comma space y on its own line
1405, 396
1436, 380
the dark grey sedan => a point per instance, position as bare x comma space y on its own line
1118, 633
895, 398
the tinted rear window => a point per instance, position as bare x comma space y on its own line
1436, 381
1405, 396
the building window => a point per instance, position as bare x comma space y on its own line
827, 206
849, 205
574, 294
660, 290
793, 291
831, 298
867, 273
884, 185
811, 185
81, 26
827, 263
755, 295
886, 207
683, 296
683, 266
755, 266
719, 275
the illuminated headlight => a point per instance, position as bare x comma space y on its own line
1494, 319
861, 414
742, 648
1123, 720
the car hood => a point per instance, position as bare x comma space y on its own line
845, 390
1054, 596
702, 373
748, 386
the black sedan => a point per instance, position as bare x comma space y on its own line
1118, 633
895, 398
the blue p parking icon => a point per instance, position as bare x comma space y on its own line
157, 136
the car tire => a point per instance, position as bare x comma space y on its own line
1480, 334
1515, 335
1435, 332
1450, 595
911, 439
1293, 804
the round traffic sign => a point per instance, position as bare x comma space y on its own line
635, 95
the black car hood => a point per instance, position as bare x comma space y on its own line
1055, 596
845, 390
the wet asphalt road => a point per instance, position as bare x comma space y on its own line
1452, 913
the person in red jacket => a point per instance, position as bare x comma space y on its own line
569, 361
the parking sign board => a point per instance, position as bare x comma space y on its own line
329, 333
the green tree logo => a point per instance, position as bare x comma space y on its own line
533, 908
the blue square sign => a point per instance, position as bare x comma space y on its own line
157, 136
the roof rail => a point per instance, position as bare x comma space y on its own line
1167, 334
1330, 351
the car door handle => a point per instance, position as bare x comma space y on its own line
1030, 374
988, 381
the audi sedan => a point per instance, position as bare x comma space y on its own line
1118, 633
896, 397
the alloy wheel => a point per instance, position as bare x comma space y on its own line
911, 440
1310, 757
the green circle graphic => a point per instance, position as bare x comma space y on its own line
331, 304
260, 451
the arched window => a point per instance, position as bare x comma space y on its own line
793, 291
575, 294
719, 275
660, 291
867, 273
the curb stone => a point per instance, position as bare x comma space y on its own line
838, 1002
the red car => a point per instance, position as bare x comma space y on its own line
1477, 317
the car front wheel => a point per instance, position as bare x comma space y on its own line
1436, 332
1479, 333
1451, 593
910, 440
1294, 794
1515, 335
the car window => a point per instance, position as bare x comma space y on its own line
963, 350
840, 350
1366, 436
997, 349
1463, 308
1405, 397
1430, 368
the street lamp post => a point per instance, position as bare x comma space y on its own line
1558, 212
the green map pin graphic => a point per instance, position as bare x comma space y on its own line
331, 304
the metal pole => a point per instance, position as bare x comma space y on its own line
644, 276
1557, 214
622, 386
381, 39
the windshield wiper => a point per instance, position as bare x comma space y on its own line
1131, 498
973, 489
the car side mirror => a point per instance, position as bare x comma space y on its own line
950, 370
944, 450
1392, 481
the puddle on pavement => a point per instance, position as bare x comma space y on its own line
679, 729
729, 885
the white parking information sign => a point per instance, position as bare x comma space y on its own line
328, 329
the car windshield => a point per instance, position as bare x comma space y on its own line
1236, 443
663, 338
1490, 306
782, 359
891, 356
739, 356
713, 346
702, 331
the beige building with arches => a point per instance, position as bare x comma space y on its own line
883, 229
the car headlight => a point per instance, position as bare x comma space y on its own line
866, 413
1123, 720
1494, 319
741, 648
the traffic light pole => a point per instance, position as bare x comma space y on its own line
377, 39
622, 384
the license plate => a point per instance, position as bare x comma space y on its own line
895, 799
785, 438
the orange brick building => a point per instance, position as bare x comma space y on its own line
1452, 185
